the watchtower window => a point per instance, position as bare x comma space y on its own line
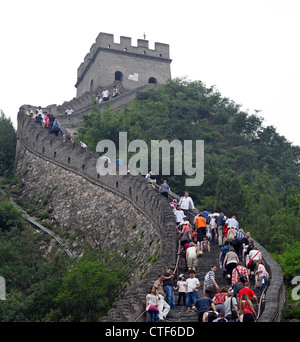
152, 80
92, 85
118, 76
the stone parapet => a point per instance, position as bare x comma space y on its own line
44, 160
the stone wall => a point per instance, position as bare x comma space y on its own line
276, 293
84, 104
101, 217
107, 210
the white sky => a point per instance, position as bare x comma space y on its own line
248, 49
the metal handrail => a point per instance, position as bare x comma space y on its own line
155, 187
260, 302
140, 315
70, 254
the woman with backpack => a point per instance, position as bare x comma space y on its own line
231, 308
56, 128
261, 277
239, 274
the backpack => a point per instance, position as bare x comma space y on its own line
208, 219
225, 229
220, 298
225, 250
211, 316
242, 277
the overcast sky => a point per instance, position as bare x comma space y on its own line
248, 49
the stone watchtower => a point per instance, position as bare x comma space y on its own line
134, 66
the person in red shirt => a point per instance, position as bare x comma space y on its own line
249, 292
248, 312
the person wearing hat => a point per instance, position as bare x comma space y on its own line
184, 220
69, 111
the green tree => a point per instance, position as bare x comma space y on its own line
9, 216
230, 196
8, 143
91, 286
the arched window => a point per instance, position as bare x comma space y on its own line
92, 85
118, 76
152, 80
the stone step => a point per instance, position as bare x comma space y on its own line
208, 260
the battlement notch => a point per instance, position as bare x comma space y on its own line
135, 66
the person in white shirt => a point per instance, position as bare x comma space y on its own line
186, 203
232, 222
105, 94
179, 214
40, 111
193, 284
254, 255
69, 111
191, 256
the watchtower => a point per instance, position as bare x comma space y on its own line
134, 66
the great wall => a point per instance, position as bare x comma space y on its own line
101, 207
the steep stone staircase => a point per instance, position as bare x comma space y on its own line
208, 260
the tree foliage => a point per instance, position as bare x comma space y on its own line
235, 142
7, 144
43, 286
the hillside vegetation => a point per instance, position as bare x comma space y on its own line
250, 170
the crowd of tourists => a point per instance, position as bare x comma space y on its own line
51, 123
47, 120
239, 261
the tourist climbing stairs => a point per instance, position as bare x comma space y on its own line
208, 259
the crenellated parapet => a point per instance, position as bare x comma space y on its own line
135, 66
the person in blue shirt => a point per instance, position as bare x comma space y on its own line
201, 306
206, 213
164, 189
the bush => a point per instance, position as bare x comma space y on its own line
9, 216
